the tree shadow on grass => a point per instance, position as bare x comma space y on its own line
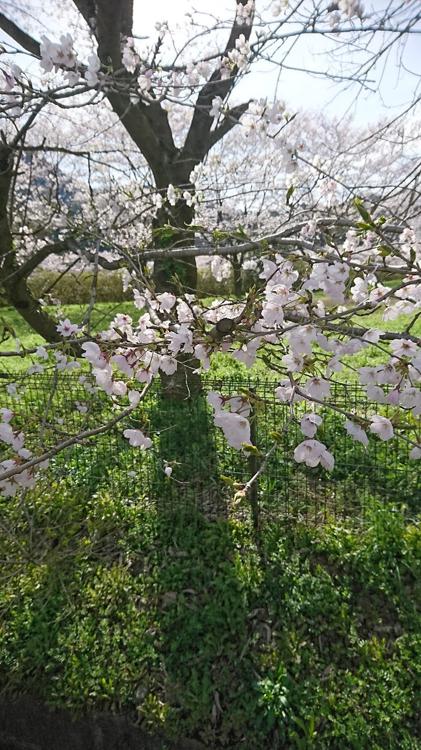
184, 442
131, 608
207, 629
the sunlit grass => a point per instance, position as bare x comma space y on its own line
14, 327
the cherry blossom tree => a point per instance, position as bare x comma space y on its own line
171, 100
303, 338
321, 266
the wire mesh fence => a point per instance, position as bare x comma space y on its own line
204, 469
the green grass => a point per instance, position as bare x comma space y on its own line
111, 601
179, 621
222, 365
16, 328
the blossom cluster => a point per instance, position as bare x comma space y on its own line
231, 415
61, 56
263, 117
305, 338
238, 57
351, 8
15, 439
245, 12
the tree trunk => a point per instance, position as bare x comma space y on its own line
187, 445
13, 282
19, 296
171, 230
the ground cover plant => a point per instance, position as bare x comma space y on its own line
182, 622
189, 455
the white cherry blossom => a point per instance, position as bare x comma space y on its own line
415, 453
137, 439
356, 432
94, 355
313, 453
235, 427
66, 329
403, 348
309, 424
317, 388
382, 427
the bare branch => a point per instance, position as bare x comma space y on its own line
21, 37
198, 142
231, 119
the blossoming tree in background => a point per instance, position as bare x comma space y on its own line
142, 189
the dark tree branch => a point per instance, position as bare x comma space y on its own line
61, 247
34, 260
110, 21
21, 37
107, 265
230, 120
149, 128
197, 143
147, 125
15, 288
87, 9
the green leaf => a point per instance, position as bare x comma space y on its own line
385, 251
249, 448
290, 193
241, 233
219, 236
359, 205
227, 480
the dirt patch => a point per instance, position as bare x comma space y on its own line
28, 724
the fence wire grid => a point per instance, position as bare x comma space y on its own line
204, 468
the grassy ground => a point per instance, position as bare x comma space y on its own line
15, 327
305, 638
177, 620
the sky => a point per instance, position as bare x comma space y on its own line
392, 85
